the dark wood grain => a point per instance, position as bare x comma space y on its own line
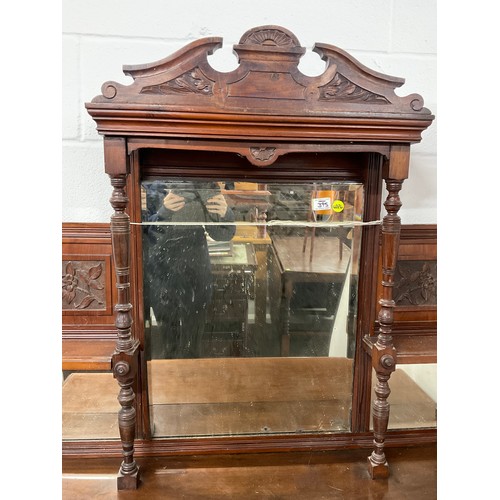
294, 476
125, 359
383, 353
263, 121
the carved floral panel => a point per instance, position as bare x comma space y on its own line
83, 285
415, 283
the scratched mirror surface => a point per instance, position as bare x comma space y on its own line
250, 300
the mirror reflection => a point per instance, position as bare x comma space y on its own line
243, 284
179, 284
413, 396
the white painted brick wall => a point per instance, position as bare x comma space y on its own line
99, 36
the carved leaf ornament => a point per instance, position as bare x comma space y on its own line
191, 82
340, 88
79, 285
417, 284
262, 154
346, 98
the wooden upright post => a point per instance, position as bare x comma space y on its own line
383, 351
125, 358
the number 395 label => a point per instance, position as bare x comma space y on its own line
321, 204
326, 204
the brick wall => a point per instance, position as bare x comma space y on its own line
396, 38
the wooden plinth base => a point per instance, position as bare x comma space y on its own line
378, 471
129, 481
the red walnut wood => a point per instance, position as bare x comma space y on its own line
264, 110
383, 352
125, 357
265, 96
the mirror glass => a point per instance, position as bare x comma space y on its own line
250, 299
413, 397
89, 405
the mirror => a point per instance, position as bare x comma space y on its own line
413, 396
89, 406
245, 283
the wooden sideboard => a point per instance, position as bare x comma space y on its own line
88, 334
415, 295
88, 294
267, 123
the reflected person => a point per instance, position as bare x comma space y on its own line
178, 281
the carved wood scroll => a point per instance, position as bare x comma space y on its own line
181, 93
344, 84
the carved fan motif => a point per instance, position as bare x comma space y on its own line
269, 37
269, 74
340, 88
191, 82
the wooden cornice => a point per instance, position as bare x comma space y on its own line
168, 122
265, 96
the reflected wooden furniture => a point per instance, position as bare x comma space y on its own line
252, 200
249, 202
263, 121
329, 266
260, 243
226, 331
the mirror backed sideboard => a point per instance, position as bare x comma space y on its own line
259, 302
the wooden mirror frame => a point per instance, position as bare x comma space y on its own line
262, 110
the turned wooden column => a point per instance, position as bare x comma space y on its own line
383, 352
125, 358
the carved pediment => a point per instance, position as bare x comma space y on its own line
267, 82
267, 77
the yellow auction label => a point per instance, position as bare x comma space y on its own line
338, 206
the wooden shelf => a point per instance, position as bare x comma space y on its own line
280, 395
88, 355
410, 349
